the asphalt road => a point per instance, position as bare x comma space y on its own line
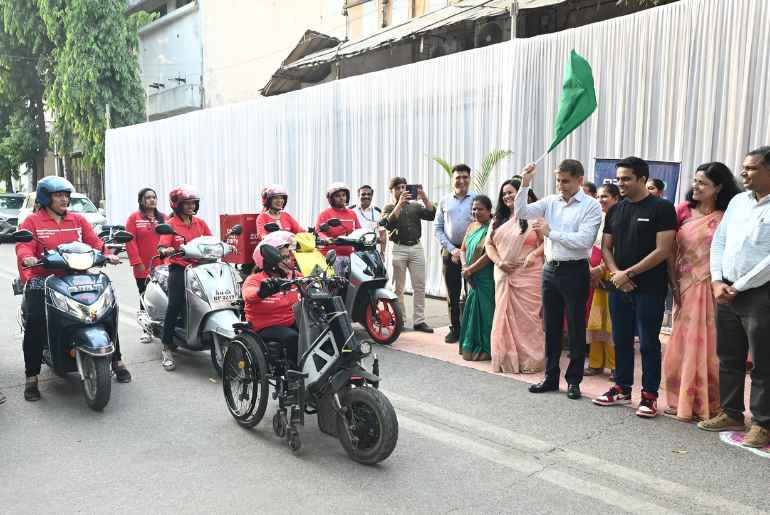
469, 442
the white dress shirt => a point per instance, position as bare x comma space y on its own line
574, 223
740, 250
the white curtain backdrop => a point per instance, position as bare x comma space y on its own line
686, 82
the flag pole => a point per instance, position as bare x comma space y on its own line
540, 159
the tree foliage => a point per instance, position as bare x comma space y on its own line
79, 56
482, 174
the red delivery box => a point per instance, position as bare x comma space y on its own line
246, 242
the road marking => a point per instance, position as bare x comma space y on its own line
532, 468
502, 441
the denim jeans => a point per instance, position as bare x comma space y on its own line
642, 314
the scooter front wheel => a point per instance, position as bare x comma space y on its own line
244, 381
97, 381
368, 429
385, 321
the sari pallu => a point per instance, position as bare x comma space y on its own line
479, 304
690, 363
518, 341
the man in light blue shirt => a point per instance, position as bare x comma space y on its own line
740, 273
453, 217
568, 221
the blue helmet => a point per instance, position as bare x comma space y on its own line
49, 185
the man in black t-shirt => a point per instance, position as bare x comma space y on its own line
638, 237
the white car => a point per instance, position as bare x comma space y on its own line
79, 203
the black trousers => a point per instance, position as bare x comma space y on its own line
743, 327
565, 289
176, 302
286, 335
141, 284
35, 331
453, 279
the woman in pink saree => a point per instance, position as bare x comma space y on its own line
690, 363
518, 341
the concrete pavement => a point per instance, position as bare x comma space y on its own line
470, 442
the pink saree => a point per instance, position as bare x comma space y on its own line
690, 364
518, 341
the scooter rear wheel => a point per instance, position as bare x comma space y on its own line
386, 322
244, 381
97, 381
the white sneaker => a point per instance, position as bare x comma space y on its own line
145, 338
167, 360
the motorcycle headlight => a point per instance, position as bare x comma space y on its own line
365, 348
211, 250
197, 288
85, 313
79, 261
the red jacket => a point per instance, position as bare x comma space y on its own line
349, 224
73, 227
275, 310
184, 233
144, 246
286, 221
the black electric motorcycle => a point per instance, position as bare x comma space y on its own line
81, 314
328, 378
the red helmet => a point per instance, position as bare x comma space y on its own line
277, 239
181, 194
274, 190
336, 187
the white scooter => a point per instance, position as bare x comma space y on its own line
212, 292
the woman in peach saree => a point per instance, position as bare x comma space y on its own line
690, 363
518, 341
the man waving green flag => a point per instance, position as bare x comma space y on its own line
578, 98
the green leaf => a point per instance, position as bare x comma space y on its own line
484, 173
444, 165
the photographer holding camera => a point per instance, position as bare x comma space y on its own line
402, 220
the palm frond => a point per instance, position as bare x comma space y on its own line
482, 176
444, 164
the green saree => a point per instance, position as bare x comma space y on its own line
479, 308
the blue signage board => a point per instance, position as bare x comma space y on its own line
668, 172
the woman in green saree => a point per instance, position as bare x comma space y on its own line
478, 272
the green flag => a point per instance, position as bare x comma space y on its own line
578, 98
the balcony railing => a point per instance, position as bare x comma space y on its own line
173, 101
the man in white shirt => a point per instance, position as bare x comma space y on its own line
369, 215
571, 221
740, 273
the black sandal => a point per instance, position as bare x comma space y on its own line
121, 373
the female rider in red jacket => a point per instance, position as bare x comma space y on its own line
184, 201
144, 246
274, 200
269, 310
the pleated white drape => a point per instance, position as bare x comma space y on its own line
686, 82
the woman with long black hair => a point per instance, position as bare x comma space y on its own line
144, 246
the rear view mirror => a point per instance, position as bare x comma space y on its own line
334, 222
122, 237
164, 229
272, 227
324, 227
23, 236
236, 230
331, 257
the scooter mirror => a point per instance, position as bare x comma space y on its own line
122, 237
270, 255
324, 227
236, 230
334, 222
272, 227
383, 222
331, 257
23, 236
163, 229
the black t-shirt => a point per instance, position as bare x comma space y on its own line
634, 227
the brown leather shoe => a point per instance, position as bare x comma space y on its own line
757, 437
722, 422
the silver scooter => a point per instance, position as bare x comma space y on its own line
367, 299
212, 292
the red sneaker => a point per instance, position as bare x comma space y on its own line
648, 406
613, 397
